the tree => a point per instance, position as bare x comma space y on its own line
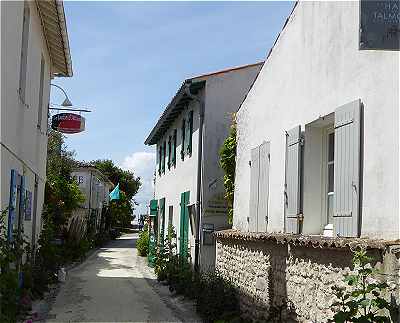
120, 210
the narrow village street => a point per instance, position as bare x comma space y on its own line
115, 285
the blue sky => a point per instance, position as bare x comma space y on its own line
129, 58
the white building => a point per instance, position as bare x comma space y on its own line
186, 177
34, 49
96, 188
318, 132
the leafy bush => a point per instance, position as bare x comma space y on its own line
142, 244
228, 164
364, 301
217, 298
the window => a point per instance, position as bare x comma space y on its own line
322, 182
189, 133
169, 152
40, 106
159, 159
330, 175
183, 138
24, 52
173, 149
164, 149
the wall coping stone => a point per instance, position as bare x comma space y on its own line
316, 241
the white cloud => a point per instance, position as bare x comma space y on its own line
142, 164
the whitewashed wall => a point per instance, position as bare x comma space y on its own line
314, 68
23, 145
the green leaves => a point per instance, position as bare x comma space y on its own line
364, 302
228, 164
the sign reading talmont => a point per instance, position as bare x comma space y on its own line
379, 24
68, 123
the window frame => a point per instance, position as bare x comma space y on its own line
325, 174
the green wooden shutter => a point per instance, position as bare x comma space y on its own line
183, 138
184, 225
163, 156
169, 152
153, 207
189, 133
292, 180
173, 150
159, 159
347, 169
162, 220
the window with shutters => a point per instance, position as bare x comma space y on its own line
183, 127
164, 149
169, 152
159, 159
189, 133
173, 149
322, 182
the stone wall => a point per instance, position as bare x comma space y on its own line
285, 282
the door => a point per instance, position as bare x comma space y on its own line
184, 225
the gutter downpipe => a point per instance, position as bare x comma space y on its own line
199, 174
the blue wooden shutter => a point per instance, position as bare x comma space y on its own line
21, 206
254, 178
263, 187
153, 207
347, 169
292, 180
12, 205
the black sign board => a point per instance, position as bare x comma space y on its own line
380, 24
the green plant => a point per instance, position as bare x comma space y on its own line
142, 244
364, 300
217, 298
228, 164
165, 254
12, 270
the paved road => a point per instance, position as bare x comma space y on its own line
115, 285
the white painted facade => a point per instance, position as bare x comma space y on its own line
314, 68
222, 94
96, 188
24, 108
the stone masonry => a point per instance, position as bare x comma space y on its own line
281, 280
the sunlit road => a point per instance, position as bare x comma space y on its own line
115, 285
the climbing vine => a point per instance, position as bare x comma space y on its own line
228, 164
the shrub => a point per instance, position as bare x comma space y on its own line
142, 244
365, 301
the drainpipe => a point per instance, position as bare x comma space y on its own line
199, 173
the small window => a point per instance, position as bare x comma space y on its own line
159, 159
330, 175
170, 215
189, 133
40, 106
183, 139
24, 52
173, 149
169, 152
164, 150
